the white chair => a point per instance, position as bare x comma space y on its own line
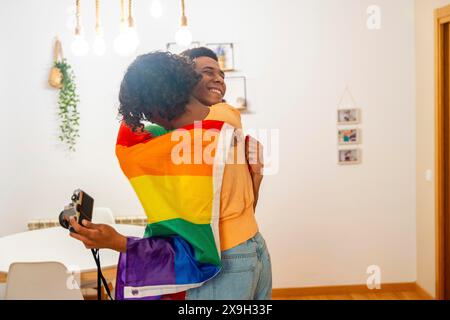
103, 215
41, 281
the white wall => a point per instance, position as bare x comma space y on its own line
324, 224
425, 96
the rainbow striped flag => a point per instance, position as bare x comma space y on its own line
177, 178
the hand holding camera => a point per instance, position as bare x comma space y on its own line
98, 236
79, 209
77, 217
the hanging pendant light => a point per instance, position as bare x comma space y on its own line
79, 45
127, 41
183, 37
132, 31
99, 46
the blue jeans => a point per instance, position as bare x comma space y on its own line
246, 274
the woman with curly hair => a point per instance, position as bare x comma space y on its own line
157, 88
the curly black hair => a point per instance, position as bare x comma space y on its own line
199, 52
156, 83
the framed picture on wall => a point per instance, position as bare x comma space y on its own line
225, 53
349, 116
349, 136
175, 48
349, 156
236, 95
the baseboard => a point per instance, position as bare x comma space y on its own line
348, 289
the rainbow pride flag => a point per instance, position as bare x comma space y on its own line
177, 178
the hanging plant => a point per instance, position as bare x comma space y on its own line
63, 78
68, 101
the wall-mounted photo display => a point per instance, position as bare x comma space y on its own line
349, 116
349, 156
225, 54
175, 48
236, 95
349, 136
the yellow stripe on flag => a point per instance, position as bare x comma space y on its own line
175, 197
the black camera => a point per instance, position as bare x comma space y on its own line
81, 209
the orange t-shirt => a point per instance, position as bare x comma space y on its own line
237, 221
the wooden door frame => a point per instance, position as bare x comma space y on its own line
442, 16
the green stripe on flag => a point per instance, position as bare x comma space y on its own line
200, 236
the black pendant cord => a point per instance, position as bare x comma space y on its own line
100, 277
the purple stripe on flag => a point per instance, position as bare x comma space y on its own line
147, 262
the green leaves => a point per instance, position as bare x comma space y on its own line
68, 102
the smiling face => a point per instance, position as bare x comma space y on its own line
211, 89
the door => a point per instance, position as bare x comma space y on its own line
443, 153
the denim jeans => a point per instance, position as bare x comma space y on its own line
246, 274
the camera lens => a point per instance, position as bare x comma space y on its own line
64, 220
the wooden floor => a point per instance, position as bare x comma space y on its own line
386, 291
401, 295
390, 292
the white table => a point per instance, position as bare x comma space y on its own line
55, 244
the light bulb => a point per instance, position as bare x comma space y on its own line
79, 45
121, 45
183, 37
126, 42
99, 46
156, 9
133, 37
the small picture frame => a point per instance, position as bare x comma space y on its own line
349, 116
236, 95
225, 54
349, 136
176, 49
349, 156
